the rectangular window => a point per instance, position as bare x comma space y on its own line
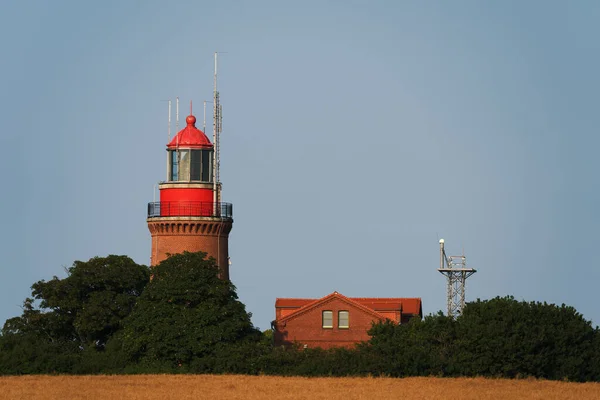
327, 319
196, 165
207, 165
343, 319
200, 165
174, 166
184, 165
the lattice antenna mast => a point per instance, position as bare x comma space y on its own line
169, 141
217, 121
454, 268
178, 155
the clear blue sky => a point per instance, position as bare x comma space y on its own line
355, 134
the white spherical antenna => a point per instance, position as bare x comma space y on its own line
441, 241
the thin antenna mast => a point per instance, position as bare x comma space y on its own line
204, 122
169, 120
454, 268
216, 109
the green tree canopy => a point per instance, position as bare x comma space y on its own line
501, 337
420, 347
77, 313
187, 317
506, 337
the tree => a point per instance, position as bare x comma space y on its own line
420, 347
74, 314
505, 337
188, 319
35, 343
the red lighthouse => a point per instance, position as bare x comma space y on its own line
190, 215
188, 218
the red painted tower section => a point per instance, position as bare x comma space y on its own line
187, 218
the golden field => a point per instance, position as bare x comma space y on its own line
265, 387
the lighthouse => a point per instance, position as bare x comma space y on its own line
190, 215
187, 218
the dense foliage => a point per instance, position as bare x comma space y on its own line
186, 317
74, 317
500, 337
110, 316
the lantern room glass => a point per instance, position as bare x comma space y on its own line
191, 165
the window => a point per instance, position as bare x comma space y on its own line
196, 165
191, 165
343, 319
180, 165
207, 165
174, 166
184, 165
201, 166
327, 319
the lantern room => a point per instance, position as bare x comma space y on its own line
190, 155
189, 188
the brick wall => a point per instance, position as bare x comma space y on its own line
172, 236
307, 328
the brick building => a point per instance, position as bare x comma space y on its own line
336, 320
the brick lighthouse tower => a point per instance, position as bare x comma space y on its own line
190, 215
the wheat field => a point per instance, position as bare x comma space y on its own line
266, 387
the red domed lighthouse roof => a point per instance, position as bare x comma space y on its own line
190, 137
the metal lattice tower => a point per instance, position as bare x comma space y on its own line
454, 268
217, 126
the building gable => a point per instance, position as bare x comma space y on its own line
336, 320
319, 303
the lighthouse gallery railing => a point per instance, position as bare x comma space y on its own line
189, 209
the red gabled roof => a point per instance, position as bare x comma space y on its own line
309, 304
190, 137
410, 305
292, 303
373, 304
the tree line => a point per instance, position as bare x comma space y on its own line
111, 315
